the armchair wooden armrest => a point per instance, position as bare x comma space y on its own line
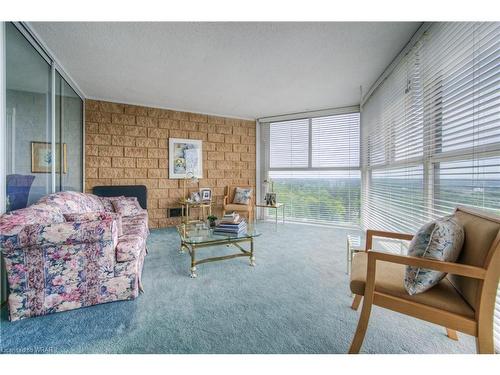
437, 265
379, 233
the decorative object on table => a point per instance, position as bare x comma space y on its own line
230, 197
441, 239
185, 155
191, 179
231, 224
195, 197
212, 220
206, 194
269, 182
270, 199
41, 157
18, 190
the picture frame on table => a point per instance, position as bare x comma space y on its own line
206, 195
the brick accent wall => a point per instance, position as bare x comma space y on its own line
127, 145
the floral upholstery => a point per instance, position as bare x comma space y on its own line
127, 206
107, 203
56, 265
129, 247
73, 202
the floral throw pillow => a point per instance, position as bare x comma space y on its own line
242, 195
441, 239
107, 202
128, 206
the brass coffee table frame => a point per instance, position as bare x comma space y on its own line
193, 247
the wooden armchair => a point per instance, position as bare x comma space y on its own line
229, 206
463, 301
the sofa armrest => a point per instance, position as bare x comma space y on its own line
67, 233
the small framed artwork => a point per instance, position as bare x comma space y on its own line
41, 157
185, 158
270, 199
206, 195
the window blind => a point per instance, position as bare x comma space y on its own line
314, 166
430, 134
289, 144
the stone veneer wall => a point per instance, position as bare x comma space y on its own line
127, 145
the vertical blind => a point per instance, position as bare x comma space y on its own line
314, 166
430, 134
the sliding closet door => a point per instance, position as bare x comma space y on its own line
28, 98
69, 137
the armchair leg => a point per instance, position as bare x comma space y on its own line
359, 336
356, 301
452, 334
484, 343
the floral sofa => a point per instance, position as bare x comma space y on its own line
55, 264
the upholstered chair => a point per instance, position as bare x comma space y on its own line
229, 206
463, 301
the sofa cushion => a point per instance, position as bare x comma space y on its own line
107, 203
92, 216
441, 239
129, 247
73, 202
127, 206
389, 279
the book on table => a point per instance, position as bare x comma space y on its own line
238, 227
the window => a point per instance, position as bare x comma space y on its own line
314, 167
430, 134
289, 144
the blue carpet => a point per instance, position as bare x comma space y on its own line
296, 300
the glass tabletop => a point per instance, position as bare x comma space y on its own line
197, 233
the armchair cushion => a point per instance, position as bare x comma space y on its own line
441, 239
389, 280
238, 207
242, 195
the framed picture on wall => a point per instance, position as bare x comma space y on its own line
41, 157
185, 158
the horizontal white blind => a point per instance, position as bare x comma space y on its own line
289, 144
314, 167
430, 134
319, 196
335, 141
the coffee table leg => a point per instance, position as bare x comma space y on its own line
193, 263
252, 257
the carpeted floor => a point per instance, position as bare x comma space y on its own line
296, 300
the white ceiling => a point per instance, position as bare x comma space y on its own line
247, 70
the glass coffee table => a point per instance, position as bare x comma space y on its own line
195, 236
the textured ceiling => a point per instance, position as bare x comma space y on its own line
247, 70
